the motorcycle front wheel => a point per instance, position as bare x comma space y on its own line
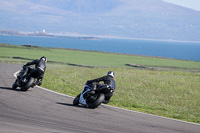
14, 86
76, 100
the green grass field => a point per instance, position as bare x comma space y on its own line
165, 87
90, 58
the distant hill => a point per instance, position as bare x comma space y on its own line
147, 19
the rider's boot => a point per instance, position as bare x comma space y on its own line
38, 82
106, 101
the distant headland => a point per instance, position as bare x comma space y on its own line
44, 34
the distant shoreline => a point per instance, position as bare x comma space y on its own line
80, 37
143, 39
44, 34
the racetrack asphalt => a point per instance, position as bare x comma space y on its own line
41, 111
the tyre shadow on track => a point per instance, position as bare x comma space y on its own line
9, 88
77, 106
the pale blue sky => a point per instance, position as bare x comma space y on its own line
193, 4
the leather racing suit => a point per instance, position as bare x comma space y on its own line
38, 72
108, 80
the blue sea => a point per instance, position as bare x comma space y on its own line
168, 49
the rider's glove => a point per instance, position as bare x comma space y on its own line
24, 66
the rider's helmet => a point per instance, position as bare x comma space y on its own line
43, 58
111, 73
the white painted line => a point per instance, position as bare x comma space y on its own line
54, 92
15, 75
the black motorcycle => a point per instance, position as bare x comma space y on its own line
92, 98
25, 79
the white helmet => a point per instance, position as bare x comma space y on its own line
111, 73
43, 58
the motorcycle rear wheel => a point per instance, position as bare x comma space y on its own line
28, 84
94, 104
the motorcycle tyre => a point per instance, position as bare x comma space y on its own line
76, 100
14, 86
28, 84
97, 102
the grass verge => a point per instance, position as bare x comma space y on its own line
168, 94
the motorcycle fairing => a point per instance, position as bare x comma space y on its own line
82, 100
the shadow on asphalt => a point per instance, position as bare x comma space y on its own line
78, 106
9, 88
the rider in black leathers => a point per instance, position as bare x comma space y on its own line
40, 67
108, 80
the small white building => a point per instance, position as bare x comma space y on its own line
43, 31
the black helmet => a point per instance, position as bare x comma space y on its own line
43, 58
111, 73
